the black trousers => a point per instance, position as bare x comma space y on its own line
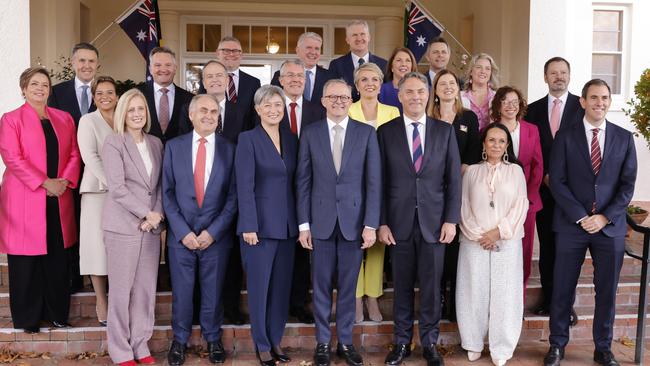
301, 278
546, 245
39, 285
232, 285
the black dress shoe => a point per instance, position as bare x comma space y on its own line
279, 355
322, 355
56, 324
573, 318
554, 356
430, 353
102, 323
216, 353
605, 358
303, 314
349, 354
542, 310
176, 354
398, 354
32, 330
269, 362
234, 316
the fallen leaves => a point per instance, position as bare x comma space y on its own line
85, 355
9, 356
627, 342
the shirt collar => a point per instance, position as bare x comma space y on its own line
234, 73
344, 124
589, 126
408, 121
313, 70
157, 87
355, 58
563, 98
298, 101
78, 83
196, 137
222, 105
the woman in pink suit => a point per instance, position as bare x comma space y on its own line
508, 107
38, 145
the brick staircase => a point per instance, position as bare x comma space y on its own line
87, 336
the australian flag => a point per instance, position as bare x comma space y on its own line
142, 24
419, 29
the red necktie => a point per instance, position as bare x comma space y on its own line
199, 172
232, 91
292, 118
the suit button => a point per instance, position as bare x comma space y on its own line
149, 193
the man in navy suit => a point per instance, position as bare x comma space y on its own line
592, 175
164, 98
200, 202
555, 112
75, 97
308, 51
240, 90
420, 210
438, 55
338, 191
357, 36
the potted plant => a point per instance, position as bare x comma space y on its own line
637, 214
639, 107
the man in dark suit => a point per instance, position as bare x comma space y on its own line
438, 55
357, 36
308, 51
421, 207
164, 98
75, 97
555, 112
200, 203
298, 114
338, 191
592, 175
240, 90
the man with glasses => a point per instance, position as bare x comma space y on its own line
338, 191
240, 90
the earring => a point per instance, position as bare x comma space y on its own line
484, 155
436, 99
505, 157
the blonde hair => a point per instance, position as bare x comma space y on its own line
368, 66
119, 121
493, 83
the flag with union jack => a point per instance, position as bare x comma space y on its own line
141, 23
419, 29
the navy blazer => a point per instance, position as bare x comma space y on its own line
311, 112
265, 187
179, 198
343, 68
322, 75
435, 191
537, 114
575, 187
351, 198
174, 128
64, 97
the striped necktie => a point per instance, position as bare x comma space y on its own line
417, 148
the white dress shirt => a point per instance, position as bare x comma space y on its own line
222, 112
422, 129
516, 138
209, 154
355, 59
287, 102
78, 90
551, 99
171, 92
601, 136
432, 75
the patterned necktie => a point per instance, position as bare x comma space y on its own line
417, 148
555, 116
232, 92
337, 149
84, 100
306, 94
293, 122
219, 130
361, 61
199, 172
163, 110
595, 152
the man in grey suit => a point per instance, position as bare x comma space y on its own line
338, 182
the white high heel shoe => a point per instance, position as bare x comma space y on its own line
473, 356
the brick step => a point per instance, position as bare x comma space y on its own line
84, 336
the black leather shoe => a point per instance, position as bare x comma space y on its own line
322, 355
279, 355
303, 314
32, 330
605, 358
554, 356
573, 318
176, 354
398, 354
269, 362
430, 353
234, 316
349, 354
56, 324
216, 353
542, 310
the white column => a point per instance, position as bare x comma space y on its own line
388, 35
170, 23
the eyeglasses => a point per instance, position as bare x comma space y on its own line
230, 51
291, 75
334, 98
510, 103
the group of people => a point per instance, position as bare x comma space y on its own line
313, 177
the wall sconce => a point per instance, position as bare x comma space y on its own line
272, 47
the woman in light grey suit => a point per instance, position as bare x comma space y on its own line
93, 129
132, 221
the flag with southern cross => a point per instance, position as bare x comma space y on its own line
419, 29
141, 23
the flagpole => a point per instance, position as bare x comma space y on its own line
114, 21
427, 13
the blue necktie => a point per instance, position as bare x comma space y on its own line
306, 94
84, 100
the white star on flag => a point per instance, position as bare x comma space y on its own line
421, 41
141, 36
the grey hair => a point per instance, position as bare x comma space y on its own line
412, 75
312, 35
166, 50
357, 22
228, 39
292, 62
266, 92
369, 66
196, 98
211, 62
336, 81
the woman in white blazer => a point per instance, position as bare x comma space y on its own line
93, 129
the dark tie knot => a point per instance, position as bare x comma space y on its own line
415, 124
594, 131
293, 105
361, 61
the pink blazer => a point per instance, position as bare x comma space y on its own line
530, 156
22, 199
